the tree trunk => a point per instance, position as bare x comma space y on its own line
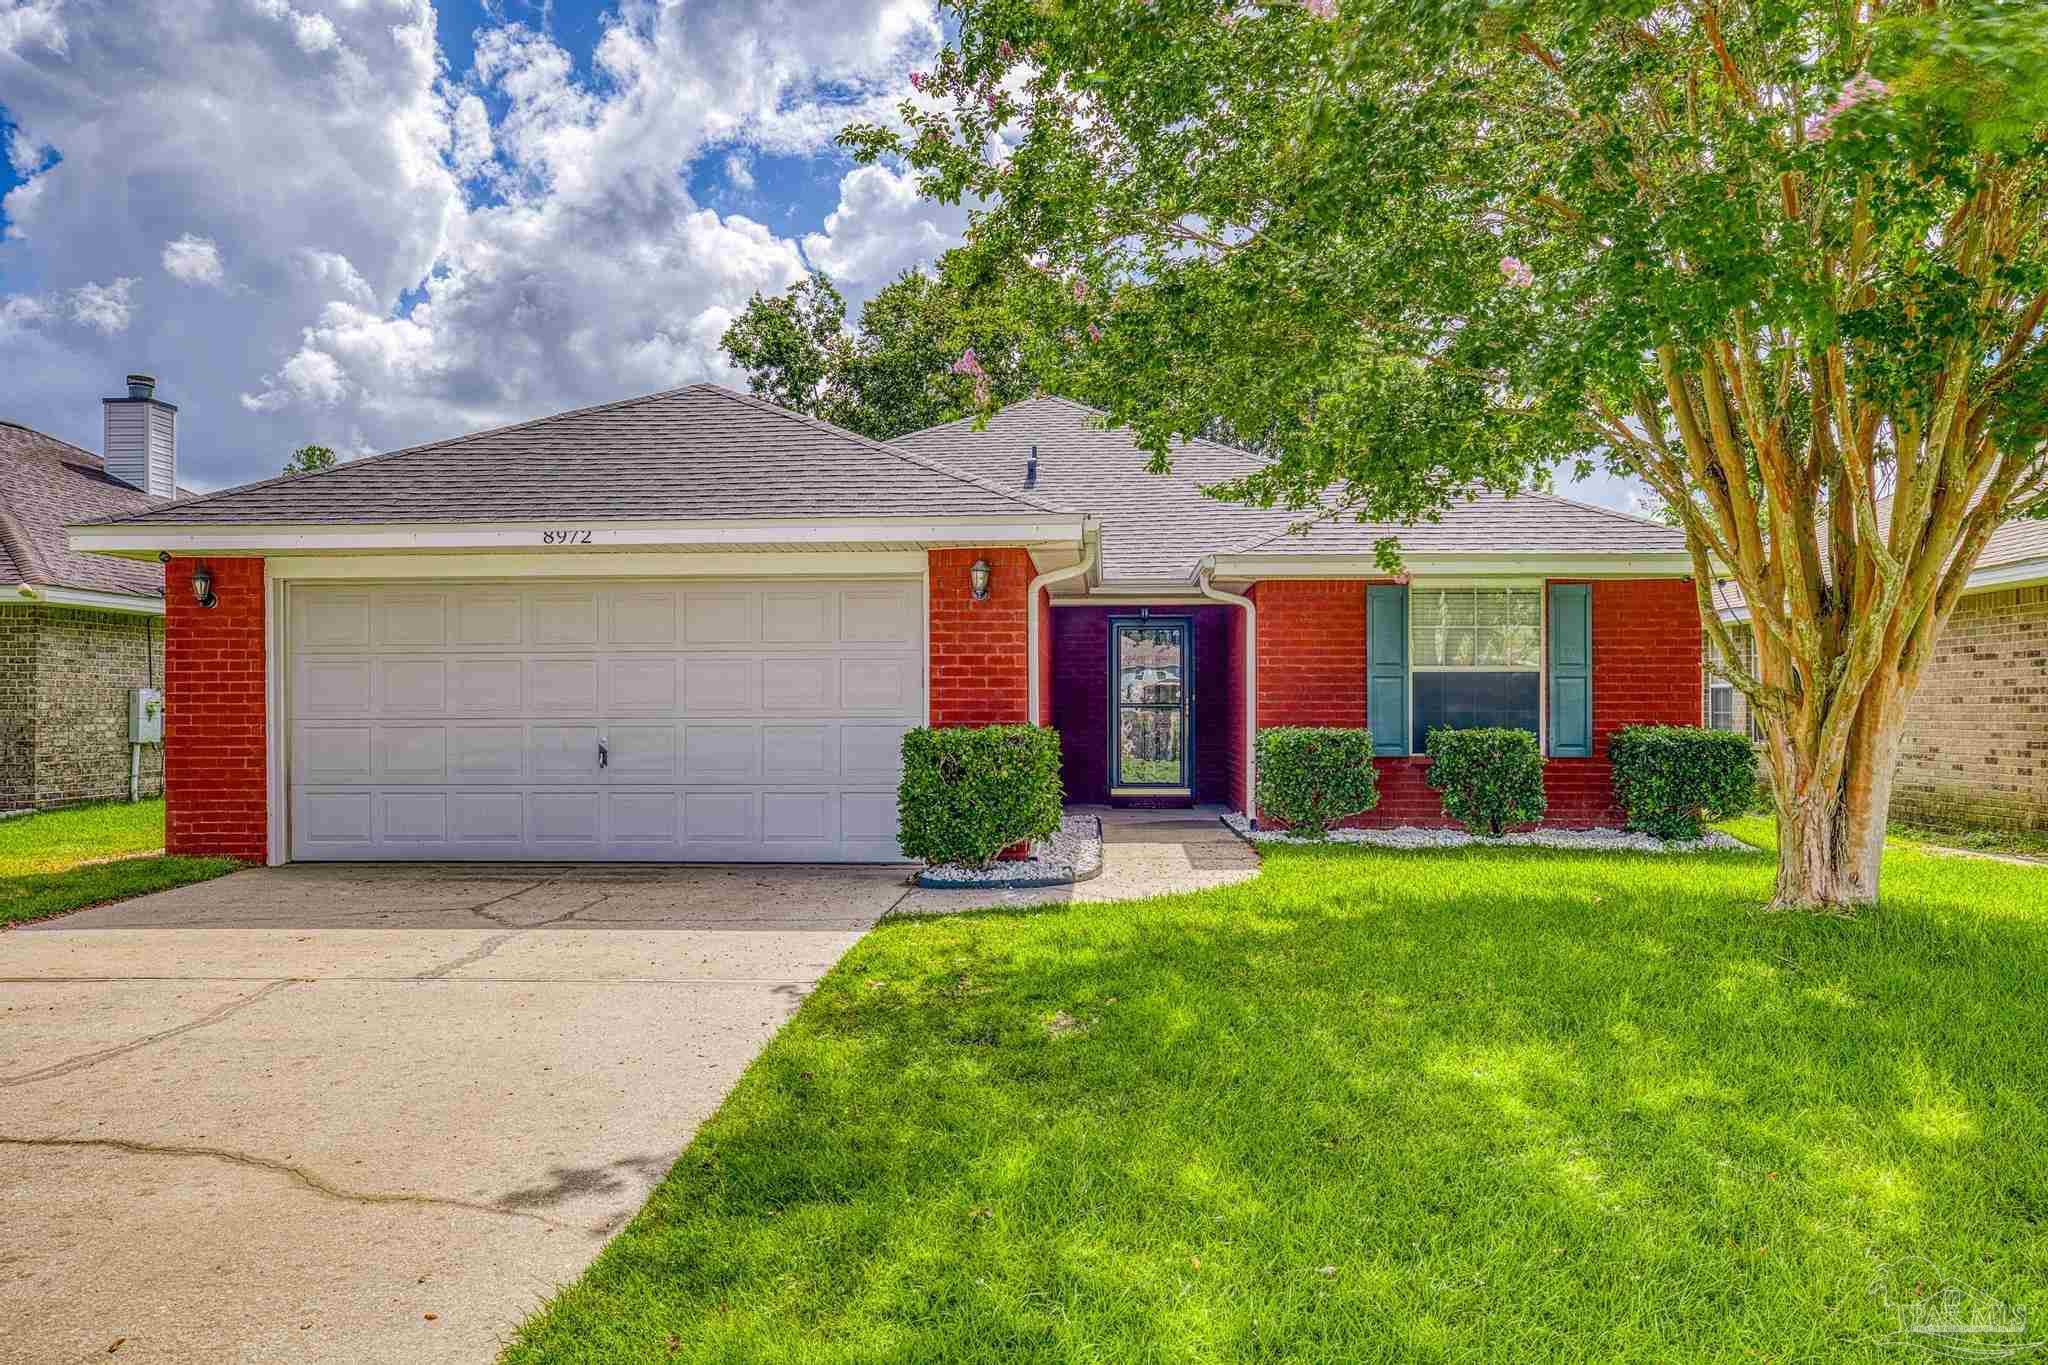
1831, 843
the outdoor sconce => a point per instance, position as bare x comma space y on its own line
978, 579
202, 587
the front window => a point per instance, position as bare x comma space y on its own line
1476, 658
1727, 709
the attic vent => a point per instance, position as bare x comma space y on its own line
1031, 469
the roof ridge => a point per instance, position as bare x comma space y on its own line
1631, 517
19, 545
367, 460
98, 461
912, 457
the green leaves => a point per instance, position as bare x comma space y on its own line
1314, 777
969, 793
1673, 778
1490, 779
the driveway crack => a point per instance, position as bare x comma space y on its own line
211, 1017
299, 1174
497, 941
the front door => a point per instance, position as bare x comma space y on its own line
1150, 672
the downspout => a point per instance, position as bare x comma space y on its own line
1031, 642
1251, 685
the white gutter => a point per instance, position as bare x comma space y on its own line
83, 597
1251, 684
1031, 641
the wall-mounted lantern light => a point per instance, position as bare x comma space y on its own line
202, 587
978, 578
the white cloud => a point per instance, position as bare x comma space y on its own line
407, 263
32, 22
106, 308
882, 228
737, 173
195, 260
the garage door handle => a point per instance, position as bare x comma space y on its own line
604, 755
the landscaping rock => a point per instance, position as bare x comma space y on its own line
1413, 836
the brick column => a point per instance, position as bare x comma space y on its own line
215, 755
980, 675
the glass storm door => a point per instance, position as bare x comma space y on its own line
1149, 664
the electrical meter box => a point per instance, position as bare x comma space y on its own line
145, 715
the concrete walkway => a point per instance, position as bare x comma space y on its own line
1145, 853
356, 1114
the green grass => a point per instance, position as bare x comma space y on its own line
1479, 1105
56, 861
2022, 843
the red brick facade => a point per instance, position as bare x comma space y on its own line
980, 674
1646, 670
215, 755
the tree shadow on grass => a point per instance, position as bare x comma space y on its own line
1490, 1105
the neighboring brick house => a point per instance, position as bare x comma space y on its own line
79, 631
1975, 750
694, 626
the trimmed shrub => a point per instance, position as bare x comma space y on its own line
1312, 777
1671, 779
1491, 780
968, 793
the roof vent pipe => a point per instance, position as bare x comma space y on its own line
1031, 469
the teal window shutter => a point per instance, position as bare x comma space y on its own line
1386, 668
1571, 670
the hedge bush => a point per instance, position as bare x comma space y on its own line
1671, 779
1491, 780
1313, 777
969, 793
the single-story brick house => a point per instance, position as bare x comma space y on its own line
1975, 751
695, 626
79, 632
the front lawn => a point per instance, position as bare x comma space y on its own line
68, 859
1479, 1104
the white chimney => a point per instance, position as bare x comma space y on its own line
140, 441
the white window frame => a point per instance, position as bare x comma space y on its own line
1541, 587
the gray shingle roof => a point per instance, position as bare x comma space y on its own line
1158, 526
45, 483
699, 451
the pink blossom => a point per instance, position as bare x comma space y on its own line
1094, 332
1080, 291
1404, 578
1005, 51
991, 98
968, 364
1321, 9
1862, 87
918, 80
1515, 273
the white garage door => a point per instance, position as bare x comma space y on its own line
643, 721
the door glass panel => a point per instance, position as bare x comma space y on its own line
1149, 665
1151, 694
1150, 742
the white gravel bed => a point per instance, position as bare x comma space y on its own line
1413, 836
1072, 854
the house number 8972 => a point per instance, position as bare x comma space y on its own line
565, 537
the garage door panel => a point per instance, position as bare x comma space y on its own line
485, 617
412, 687
486, 686
643, 753
721, 685
562, 618
332, 686
643, 617
414, 620
641, 685
741, 721
412, 753
487, 753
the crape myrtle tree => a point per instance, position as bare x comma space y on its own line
1776, 259
906, 367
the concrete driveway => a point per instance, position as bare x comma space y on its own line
371, 1113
